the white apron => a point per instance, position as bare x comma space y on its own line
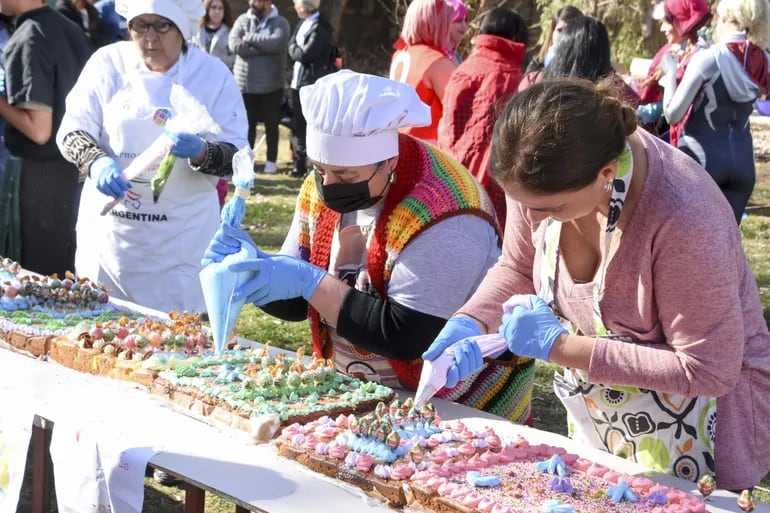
665, 432
146, 252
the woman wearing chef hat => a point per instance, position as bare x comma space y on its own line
390, 236
149, 252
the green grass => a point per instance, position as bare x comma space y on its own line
258, 326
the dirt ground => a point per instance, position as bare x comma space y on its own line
760, 130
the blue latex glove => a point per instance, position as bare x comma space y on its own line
226, 241
186, 145
531, 332
108, 177
277, 277
455, 329
468, 357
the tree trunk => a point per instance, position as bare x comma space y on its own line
333, 11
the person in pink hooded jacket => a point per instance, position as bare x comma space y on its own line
680, 22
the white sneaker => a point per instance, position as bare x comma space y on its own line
270, 168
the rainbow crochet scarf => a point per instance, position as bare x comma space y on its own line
429, 186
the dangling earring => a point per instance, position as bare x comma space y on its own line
607, 186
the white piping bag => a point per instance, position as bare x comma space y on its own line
434, 372
188, 115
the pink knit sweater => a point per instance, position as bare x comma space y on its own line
680, 285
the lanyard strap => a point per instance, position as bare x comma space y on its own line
550, 256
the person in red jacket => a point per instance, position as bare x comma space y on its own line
477, 90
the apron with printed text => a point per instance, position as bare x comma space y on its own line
662, 431
147, 252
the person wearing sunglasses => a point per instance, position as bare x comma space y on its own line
145, 251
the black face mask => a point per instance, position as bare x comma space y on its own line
347, 197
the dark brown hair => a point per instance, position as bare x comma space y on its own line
557, 135
228, 18
565, 14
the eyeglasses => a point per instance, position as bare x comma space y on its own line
142, 27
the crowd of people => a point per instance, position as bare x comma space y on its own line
603, 212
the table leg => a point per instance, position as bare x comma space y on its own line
194, 499
41, 483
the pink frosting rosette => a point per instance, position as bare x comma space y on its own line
401, 472
336, 450
472, 500
364, 463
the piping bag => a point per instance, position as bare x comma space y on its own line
217, 281
434, 372
190, 116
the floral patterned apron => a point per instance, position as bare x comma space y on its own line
665, 432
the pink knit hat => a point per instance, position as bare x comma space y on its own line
687, 16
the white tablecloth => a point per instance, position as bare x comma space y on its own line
120, 416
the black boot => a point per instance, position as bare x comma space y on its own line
300, 168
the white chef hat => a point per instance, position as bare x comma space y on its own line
184, 13
353, 118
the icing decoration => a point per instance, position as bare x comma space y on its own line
351, 460
256, 383
746, 501
554, 465
658, 496
383, 471
706, 485
477, 480
621, 492
400, 472
556, 506
161, 344
561, 484
364, 463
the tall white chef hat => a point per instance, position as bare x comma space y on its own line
353, 118
184, 13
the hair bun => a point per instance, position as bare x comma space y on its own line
609, 91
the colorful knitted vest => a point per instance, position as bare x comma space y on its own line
429, 186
